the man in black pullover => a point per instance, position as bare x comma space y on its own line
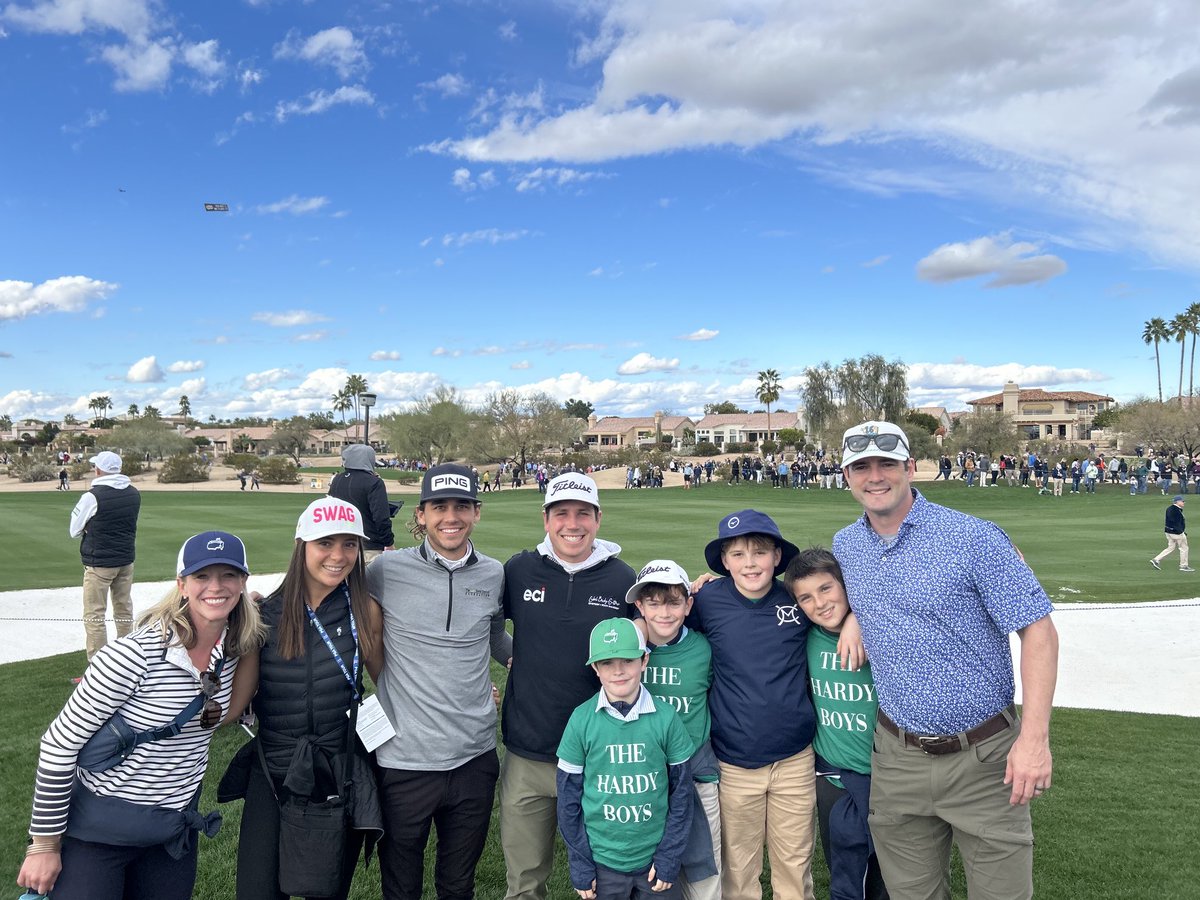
1176, 529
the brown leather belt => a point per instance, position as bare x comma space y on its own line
941, 744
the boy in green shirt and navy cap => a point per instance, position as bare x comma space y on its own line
624, 783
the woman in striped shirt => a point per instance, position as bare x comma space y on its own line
93, 833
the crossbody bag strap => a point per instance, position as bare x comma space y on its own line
186, 715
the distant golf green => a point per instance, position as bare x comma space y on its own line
1083, 548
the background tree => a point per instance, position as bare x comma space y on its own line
68, 419
922, 420
1193, 314
1165, 427
133, 411
578, 409
793, 437
989, 432
1180, 327
1107, 418
355, 385
341, 404
857, 389
1156, 330
767, 392
516, 426
724, 408
320, 420
292, 437
434, 430
100, 404
185, 406
6, 422
151, 412
148, 435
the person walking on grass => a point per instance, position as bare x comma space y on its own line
1176, 529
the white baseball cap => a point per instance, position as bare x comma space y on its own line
571, 486
106, 461
327, 516
874, 439
658, 571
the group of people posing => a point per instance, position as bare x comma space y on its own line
667, 729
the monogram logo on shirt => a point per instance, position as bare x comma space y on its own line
787, 615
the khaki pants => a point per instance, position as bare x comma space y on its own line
709, 888
1175, 542
528, 822
920, 804
778, 804
98, 582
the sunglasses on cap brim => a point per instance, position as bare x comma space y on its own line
885, 442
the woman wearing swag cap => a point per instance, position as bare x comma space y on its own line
118, 780
306, 764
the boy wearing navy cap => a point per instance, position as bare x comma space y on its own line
624, 805
762, 718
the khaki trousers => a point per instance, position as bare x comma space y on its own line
778, 804
920, 804
98, 582
709, 888
528, 822
1175, 542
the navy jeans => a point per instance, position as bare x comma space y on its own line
107, 872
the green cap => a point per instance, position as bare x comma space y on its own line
616, 639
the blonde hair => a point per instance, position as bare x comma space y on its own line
247, 631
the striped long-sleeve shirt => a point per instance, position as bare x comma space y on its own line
149, 683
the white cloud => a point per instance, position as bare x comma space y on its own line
193, 387
642, 363
144, 371
877, 261
386, 354
309, 337
186, 365
483, 236
205, 58
443, 351
522, 364
293, 205
462, 180
334, 47
70, 293
1093, 116
248, 78
507, 31
320, 101
1010, 263
700, 334
129, 17
257, 380
290, 318
93, 118
448, 85
988, 379
140, 65
556, 176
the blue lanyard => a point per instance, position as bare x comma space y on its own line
312, 617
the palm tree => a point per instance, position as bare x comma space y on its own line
768, 392
355, 385
1179, 328
1193, 314
1156, 330
341, 403
133, 410
185, 406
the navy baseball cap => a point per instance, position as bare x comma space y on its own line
741, 524
211, 548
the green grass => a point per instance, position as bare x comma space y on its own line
1120, 821
1092, 548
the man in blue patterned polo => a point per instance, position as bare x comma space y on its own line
937, 593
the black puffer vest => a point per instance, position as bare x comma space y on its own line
304, 700
109, 536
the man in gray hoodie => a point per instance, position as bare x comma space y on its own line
442, 618
360, 485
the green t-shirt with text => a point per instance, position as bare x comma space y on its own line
625, 786
680, 674
845, 704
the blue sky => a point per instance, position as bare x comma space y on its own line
639, 205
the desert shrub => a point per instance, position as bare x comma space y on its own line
241, 462
132, 465
36, 470
707, 448
183, 468
278, 470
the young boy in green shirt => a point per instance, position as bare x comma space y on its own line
624, 784
680, 673
845, 705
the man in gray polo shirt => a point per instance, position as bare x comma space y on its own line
442, 618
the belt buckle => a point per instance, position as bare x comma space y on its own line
935, 744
